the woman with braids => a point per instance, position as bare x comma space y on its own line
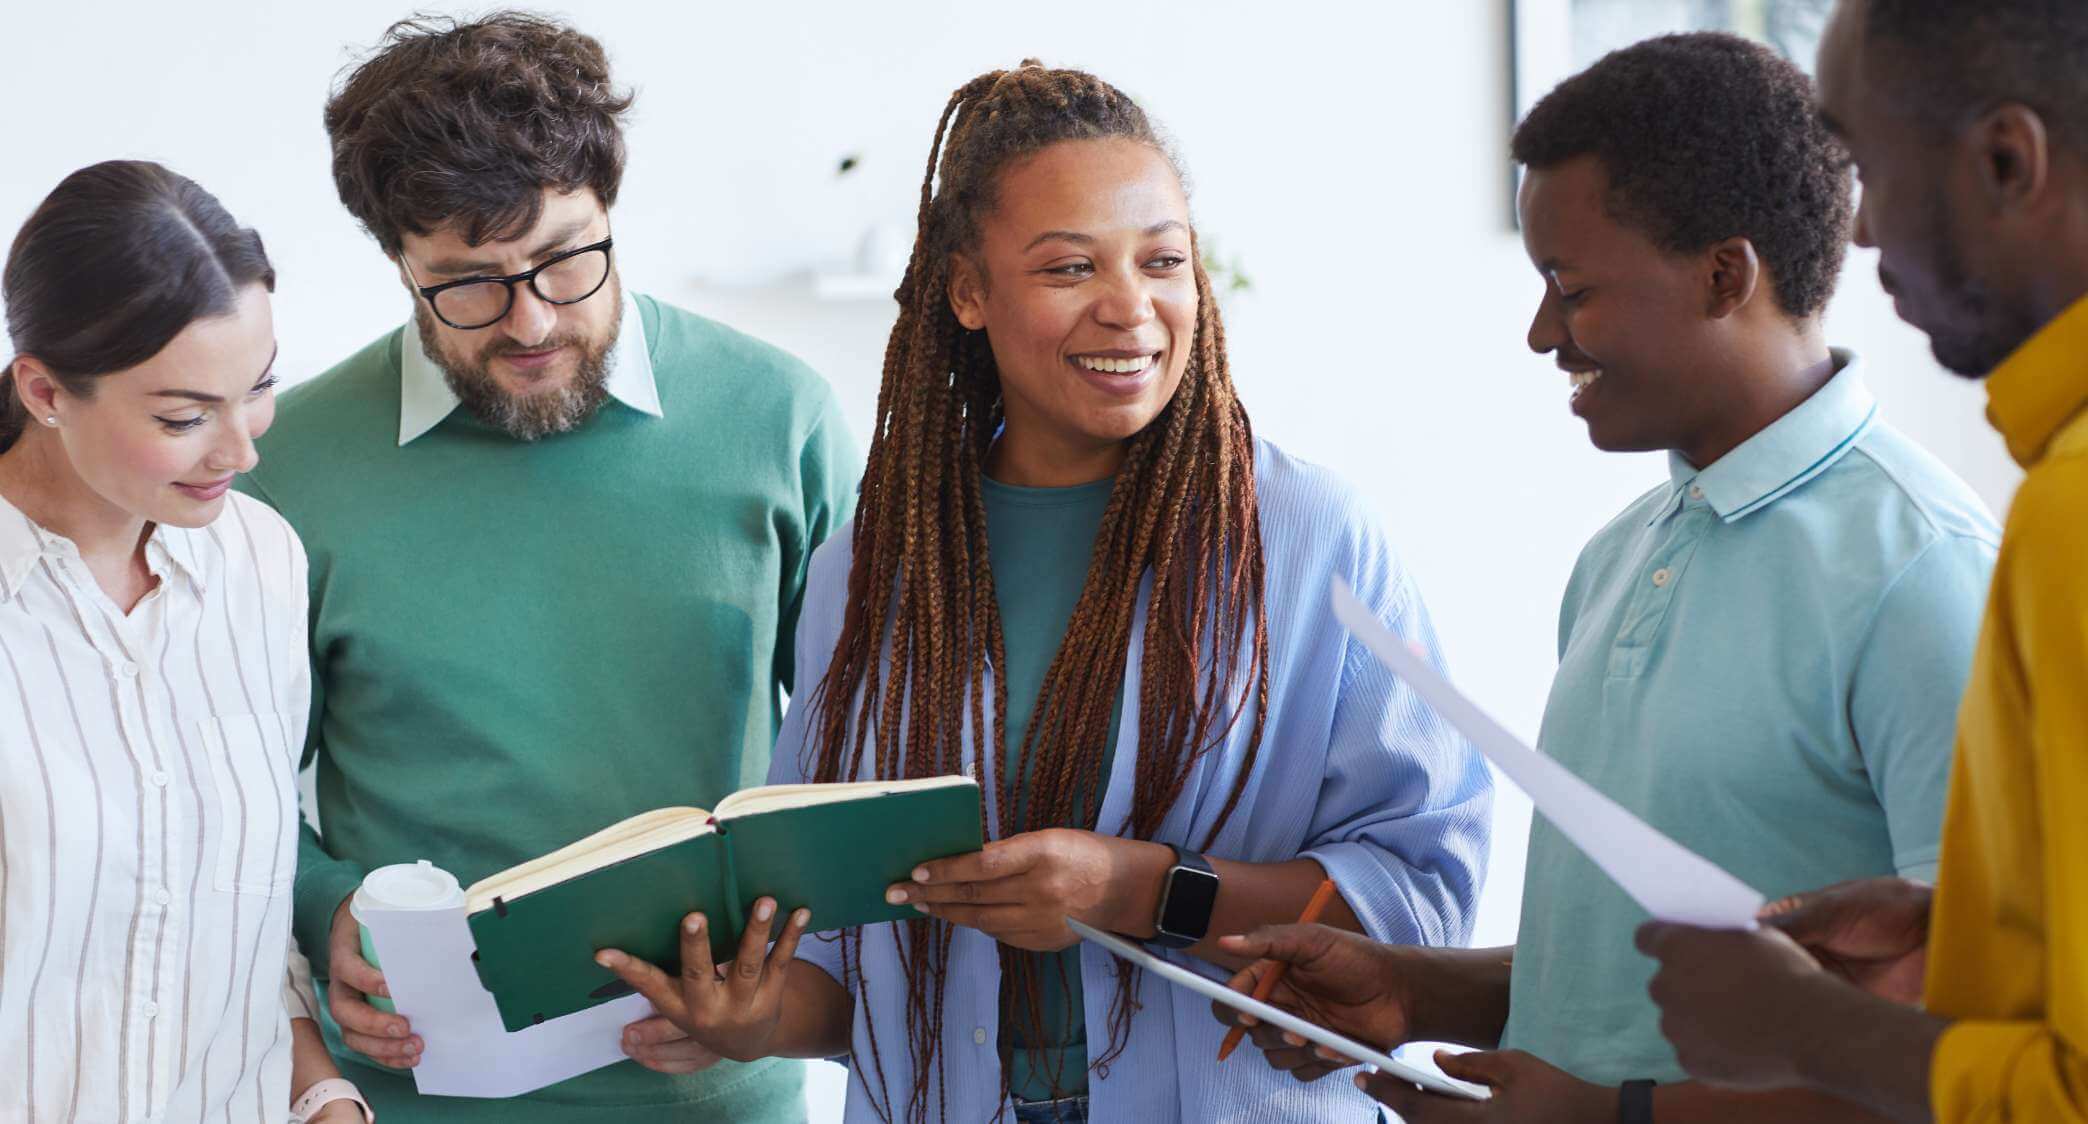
1071, 551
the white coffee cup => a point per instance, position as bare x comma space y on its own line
402, 886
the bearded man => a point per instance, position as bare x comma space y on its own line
558, 535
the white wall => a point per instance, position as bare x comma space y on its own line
1351, 155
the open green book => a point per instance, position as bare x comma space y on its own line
832, 848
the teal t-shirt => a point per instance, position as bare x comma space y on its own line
1039, 542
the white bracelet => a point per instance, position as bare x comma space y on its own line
323, 1093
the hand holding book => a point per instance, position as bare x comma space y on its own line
1021, 890
830, 848
734, 1010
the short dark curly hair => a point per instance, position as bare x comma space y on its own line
1968, 58
464, 124
1707, 136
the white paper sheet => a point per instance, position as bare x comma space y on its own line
1278, 1017
426, 959
1672, 882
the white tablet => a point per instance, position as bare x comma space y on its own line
1340, 1044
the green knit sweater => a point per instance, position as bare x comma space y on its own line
515, 644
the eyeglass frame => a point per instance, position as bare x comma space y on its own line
428, 292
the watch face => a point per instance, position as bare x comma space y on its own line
1191, 895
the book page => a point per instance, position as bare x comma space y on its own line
625, 839
777, 797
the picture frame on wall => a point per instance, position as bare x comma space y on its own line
1551, 40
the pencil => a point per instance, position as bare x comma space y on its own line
1321, 898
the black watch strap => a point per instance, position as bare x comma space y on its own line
1187, 896
1635, 1103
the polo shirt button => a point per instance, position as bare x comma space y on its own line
1696, 492
979, 1035
1660, 578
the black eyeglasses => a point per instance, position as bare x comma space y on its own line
481, 302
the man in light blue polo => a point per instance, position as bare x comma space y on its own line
1763, 655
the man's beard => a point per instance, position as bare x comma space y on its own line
1984, 330
529, 417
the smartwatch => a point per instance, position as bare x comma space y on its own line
1635, 1103
1188, 892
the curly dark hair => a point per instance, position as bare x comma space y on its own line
1707, 136
465, 124
1968, 58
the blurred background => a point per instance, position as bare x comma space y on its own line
1348, 172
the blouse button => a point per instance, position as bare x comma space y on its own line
1660, 578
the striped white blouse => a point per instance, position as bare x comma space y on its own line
148, 826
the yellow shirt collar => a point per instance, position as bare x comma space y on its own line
2041, 387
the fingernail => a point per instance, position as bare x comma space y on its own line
765, 910
1360, 1083
692, 924
802, 918
606, 959
920, 874
919, 908
895, 896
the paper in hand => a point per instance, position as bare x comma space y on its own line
469, 1052
1672, 882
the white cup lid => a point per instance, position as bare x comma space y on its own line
421, 885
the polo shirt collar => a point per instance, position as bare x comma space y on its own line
2037, 390
1790, 451
425, 397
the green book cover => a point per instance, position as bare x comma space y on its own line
830, 848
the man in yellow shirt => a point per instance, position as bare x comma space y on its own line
1968, 123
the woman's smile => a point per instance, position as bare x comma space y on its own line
1124, 372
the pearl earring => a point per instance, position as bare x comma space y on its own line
52, 420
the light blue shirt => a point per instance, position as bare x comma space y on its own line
1763, 659
1354, 771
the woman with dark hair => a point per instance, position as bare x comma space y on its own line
153, 680
1075, 573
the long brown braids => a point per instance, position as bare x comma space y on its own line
922, 623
